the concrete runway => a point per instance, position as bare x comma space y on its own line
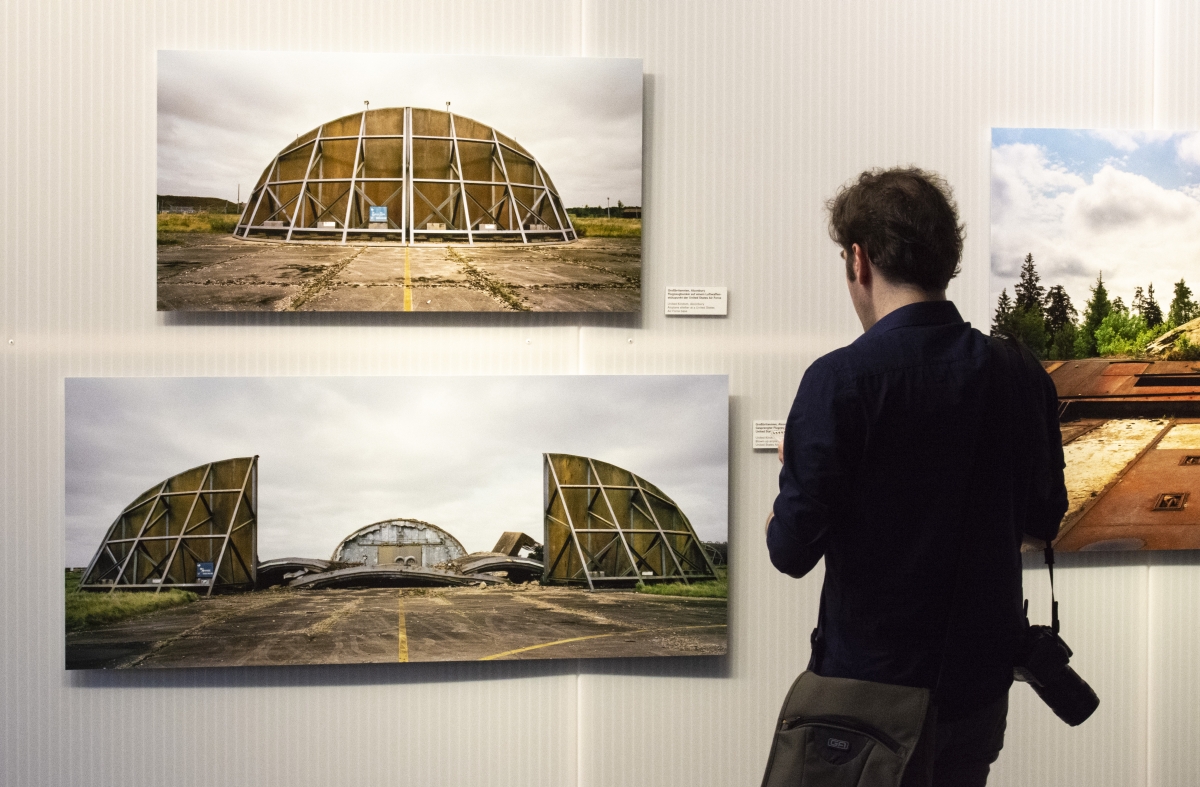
379, 625
216, 272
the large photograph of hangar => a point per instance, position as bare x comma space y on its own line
260, 521
1095, 256
355, 182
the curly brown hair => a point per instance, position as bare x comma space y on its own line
906, 222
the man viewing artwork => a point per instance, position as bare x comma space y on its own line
915, 461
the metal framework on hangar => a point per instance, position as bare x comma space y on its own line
431, 176
606, 526
196, 530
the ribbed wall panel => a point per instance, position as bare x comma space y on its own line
1174, 679
78, 299
755, 113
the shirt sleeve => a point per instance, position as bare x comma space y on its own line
1050, 490
821, 446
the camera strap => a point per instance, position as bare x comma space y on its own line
1049, 553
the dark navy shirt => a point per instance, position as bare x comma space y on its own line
914, 461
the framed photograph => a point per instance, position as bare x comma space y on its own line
329, 520
318, 181
1095, 258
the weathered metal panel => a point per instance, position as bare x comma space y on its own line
440, 177
404, 538
605, 526
197, 529
1125, 516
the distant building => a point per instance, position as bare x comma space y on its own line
407, 542
405, 175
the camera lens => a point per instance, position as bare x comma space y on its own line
1069, 696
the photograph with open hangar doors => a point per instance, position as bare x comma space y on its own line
228, 521
325, 181
1095, 257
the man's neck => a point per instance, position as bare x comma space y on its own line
890, 297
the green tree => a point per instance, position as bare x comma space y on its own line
1028, 314
1030, 327
1028, 291
1151, 312
1119, 334
1060, 324
1098, 307
1138, 305
1062, 343
1059, 309
1118, 305
1002, 320
1183, 308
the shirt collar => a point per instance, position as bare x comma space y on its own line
921, 313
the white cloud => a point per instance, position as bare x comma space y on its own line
1129, 140
1029, 200
1188, 148
1121, 140
1121, 224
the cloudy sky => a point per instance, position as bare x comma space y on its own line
338, 453
222, 116
1125, 203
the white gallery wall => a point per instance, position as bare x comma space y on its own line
754, 114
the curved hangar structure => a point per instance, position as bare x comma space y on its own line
606, 527
405, 175
197, 530
409, 543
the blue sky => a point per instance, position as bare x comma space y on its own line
1085, 202
1153, 154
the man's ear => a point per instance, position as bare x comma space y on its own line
862, 266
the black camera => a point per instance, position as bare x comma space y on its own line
1042, 658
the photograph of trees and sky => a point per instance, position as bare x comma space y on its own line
1095, 242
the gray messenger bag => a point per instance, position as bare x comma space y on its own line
838, 732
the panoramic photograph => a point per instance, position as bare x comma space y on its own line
267, 521
1095, 254
318, 181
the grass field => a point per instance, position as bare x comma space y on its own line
197, 222
171, 223
715, 589
85, 610
607, 228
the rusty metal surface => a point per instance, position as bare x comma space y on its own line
1101, 388
1124, 515
1077, 378
512, 542
196, 530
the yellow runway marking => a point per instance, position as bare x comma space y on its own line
403, 632
596, 636
407, 283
